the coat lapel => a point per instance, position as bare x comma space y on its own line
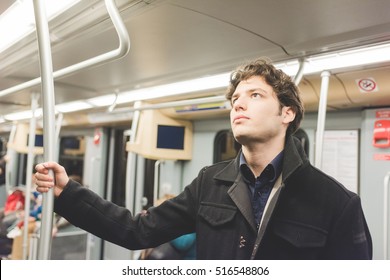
240, 196
238, 191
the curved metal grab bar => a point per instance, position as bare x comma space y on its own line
299, 75
121, 51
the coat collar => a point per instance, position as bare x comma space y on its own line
294, 158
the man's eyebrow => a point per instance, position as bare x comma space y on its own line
252, 90
258, 89
236, 93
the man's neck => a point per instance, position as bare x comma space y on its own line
258, 156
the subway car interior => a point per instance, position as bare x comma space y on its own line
129, 96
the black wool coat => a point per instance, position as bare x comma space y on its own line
313, 216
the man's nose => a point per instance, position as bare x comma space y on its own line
239, 104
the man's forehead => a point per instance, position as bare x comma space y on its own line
253, 84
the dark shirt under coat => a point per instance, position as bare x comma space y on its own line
260, 187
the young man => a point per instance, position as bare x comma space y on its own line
268, 203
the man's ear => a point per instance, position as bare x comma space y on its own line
288, 115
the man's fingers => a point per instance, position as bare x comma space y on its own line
42, 189
39, 177
42, 168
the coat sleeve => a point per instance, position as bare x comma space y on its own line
350, 237
87, 210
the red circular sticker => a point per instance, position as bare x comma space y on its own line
367, 85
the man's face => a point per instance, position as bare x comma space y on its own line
256, 115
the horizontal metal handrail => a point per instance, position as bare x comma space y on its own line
121, 51
170, 104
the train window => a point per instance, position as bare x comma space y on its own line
71, 143
3, 146
71, 154
149, 182
118, 194
225, 146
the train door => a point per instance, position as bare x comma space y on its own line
374, 176
74, 153
83, 153
152, 179
116, 184
70, 242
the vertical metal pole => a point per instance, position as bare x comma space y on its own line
32, 255
156, 185
139, 185
110, 173
131, 167
8, 170
321, 118
46, 68
131, 162
58, 126
29, 169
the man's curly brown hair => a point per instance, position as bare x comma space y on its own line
284, 87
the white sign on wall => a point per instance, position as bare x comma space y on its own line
367, 85
340, 158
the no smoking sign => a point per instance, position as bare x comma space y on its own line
367, 85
